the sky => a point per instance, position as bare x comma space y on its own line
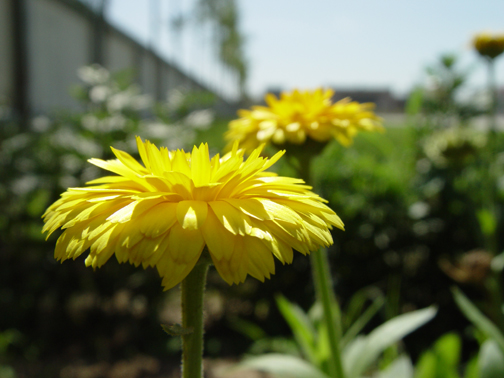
374, 44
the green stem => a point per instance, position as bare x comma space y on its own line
490, 195
332, 313
492, 88
322, 277
193, 289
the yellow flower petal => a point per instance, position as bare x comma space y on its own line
235, 222
163, 214
220, 242
192, 214
299, 115
159, 219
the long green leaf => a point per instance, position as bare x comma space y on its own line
361, 322
280, 365
356, 304
472, 369
364, 350
400, 368
491, 360
472, 313
302, 328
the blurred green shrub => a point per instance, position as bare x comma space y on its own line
360, 354
54, 309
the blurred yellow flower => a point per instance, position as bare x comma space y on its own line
164, 213
489, 45
453, 146
299, 115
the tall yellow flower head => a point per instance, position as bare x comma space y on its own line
489, 45
163, 213
299, 115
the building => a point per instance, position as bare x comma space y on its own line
383, 98
44, 42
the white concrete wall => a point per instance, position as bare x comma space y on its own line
119, 52
58, 44
148, 74
59, 41
6, 53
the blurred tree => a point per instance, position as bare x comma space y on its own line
445, 100
230, 41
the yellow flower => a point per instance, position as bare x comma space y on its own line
164, 213
489, 45
300, 115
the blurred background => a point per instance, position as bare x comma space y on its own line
77, 77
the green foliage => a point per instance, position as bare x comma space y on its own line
441, 98
479, 320
442, 361
491, 360
55, 307
281, 365
365, 350
359, 353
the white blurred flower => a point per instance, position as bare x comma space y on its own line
128, 99
172, 136
90, 122
118, 101
16, 143
65, 138
40, 124
200, 119
68, 182
25, 184
418, 210
158, 130
93, 75
175, 98
71, 163
141, 102
115, 122
99, 93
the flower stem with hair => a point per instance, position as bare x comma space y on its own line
321, 273
490, 47
304, 122
193, 290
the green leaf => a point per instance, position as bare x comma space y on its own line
280, 365
249, 329
448, 350
364, 350
38, 202
401, 367
481, 322
472, 369
356, 304
415, 101
7, 372
361, 322
487, 221
323, 347
491, 360
302, 328
176, 330
426, 365
442, 360
497, 263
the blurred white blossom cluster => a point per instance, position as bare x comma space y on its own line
53, 150
121, 106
